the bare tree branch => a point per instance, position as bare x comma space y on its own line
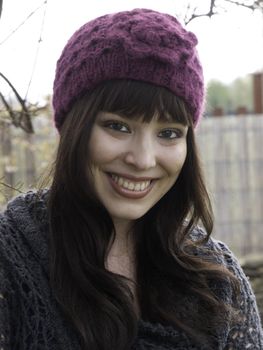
24, 120
21, 24
254, 6
7, 191
7, 107
17, 189
1, 7
209, 13
213, 9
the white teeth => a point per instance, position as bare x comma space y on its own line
137, 187
126, 184
143, 186
130, 185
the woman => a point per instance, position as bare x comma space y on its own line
111, 257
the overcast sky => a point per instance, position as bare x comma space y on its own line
230, 44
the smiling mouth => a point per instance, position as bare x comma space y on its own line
131, 185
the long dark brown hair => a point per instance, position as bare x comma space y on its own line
176, 285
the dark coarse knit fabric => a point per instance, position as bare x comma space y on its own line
30, 318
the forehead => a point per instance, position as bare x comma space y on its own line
145, 118
138, 100
156, 118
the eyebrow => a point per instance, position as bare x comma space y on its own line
105, 114
158, 119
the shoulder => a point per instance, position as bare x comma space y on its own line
209, 247
23, 211
23, 228
217, 253
24, 273
248, 329
25, 207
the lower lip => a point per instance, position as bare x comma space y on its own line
128, 193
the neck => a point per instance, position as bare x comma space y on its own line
121, 257
123, 243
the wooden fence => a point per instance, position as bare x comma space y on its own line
232, 153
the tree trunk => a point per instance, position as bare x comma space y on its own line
8, 170
30, 165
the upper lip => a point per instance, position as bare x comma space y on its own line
133, 178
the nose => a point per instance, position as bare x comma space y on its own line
141, 153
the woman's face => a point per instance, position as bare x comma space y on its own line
133, 163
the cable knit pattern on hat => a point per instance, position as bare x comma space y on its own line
142, 45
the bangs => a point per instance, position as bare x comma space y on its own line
139, 100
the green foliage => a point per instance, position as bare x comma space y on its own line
217, 95
241, 92
229, 97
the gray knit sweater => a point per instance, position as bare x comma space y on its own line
30, 319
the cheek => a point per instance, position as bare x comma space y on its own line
102, 148
175, 159
96, 147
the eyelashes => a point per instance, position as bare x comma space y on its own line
117, 126
170, 134
121, 127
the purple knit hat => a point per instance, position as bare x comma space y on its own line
141, 45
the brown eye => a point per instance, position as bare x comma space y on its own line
170, 134
117, 126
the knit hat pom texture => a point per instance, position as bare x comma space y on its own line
142, 45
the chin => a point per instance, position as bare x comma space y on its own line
128, 215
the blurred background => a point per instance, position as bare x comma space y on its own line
230, 33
